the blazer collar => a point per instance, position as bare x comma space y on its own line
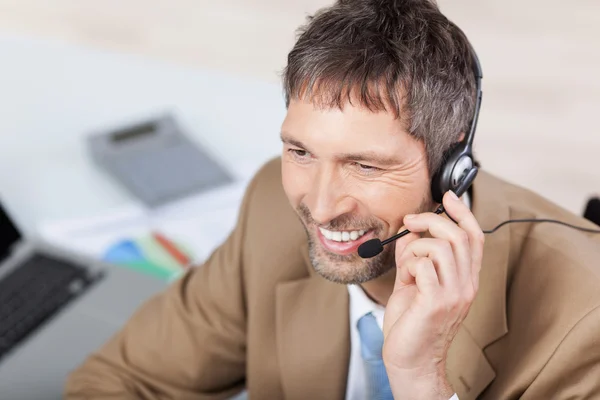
468, 369
487, 320
313, 337
312, 317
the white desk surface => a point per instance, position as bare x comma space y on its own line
53, 94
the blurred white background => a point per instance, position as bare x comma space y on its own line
541, 64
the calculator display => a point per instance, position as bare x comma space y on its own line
134, 132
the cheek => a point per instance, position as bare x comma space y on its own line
296, 182
390, 203
383, 203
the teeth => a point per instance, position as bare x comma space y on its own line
345, 236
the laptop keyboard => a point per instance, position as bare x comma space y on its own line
35, 291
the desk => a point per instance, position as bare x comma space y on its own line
53, 94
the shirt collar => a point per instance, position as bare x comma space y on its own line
361, 304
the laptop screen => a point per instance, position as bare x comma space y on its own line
9, 234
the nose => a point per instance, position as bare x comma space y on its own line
327, 199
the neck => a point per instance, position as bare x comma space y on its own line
380, 289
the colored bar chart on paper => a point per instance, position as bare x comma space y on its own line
162, 242
152, 254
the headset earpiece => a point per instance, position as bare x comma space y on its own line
457, 165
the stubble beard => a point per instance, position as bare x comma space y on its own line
349, 269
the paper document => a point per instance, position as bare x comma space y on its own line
191, 228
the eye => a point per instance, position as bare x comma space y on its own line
299, 154
366, 168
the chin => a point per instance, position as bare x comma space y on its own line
348, 269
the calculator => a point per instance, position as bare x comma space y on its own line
156, 162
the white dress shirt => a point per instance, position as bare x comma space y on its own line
361, 304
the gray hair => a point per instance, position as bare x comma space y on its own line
399, 56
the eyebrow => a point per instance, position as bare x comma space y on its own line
365, 156
369, 157
288, 140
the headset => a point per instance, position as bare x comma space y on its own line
457, 173
458, 169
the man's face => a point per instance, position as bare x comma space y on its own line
351, 176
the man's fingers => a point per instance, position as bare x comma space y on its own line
458, 210
421, 271
444, 229
439, 252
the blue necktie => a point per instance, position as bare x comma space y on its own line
371, 338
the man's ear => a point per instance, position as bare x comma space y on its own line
461, 137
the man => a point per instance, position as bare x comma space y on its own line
377, 92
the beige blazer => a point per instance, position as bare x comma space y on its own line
256, 315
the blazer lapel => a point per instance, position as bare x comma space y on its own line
468, 369
313, 338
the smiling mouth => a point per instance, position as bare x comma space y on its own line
343, 242
343, 236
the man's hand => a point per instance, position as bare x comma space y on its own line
437, 278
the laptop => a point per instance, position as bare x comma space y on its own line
56, 308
